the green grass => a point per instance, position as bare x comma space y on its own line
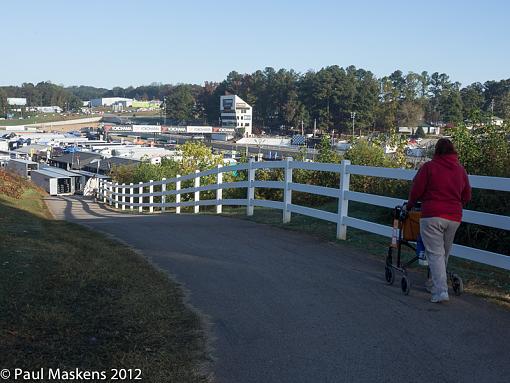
44, 119
72, 298
485, 281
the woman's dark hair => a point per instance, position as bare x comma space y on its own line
444, 146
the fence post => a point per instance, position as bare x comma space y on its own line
140, 198
163, 197
123, 188
196, 208
219, 191
287, 191
110, 198
151, 198
178, 195
98, 195
250, 196
104, 191
116, 195
131, 198
343, 204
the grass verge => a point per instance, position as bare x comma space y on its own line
72, 298
43, 119
481, 280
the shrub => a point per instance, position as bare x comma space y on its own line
485, 151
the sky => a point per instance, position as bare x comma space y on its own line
121, 43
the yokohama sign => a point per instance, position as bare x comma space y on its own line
146, 128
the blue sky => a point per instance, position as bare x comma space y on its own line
120, 43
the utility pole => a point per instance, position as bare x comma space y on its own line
314, 126
302, 129
353, 116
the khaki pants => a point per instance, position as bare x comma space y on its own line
437, 235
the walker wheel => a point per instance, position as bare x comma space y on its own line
389, 275
457, 284
405, 285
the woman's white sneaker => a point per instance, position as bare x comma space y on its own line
443, 297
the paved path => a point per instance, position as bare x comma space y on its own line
286, 307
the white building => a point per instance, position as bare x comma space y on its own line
236, 113
18, 101
497, 121
109, 101
46, 109
427, 129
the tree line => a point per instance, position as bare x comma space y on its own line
284, 99
42, 94
329, 98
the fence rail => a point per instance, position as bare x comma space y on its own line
124, 196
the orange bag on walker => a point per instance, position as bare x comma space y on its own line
411, 226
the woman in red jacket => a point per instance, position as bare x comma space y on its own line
442, 186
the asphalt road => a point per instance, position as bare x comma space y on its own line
286, 307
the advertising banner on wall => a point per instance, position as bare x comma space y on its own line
218, 129
198, 129
146, 128
175, 129
120, 128
226, 130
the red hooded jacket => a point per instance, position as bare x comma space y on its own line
442, 186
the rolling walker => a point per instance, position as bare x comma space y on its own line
406, 230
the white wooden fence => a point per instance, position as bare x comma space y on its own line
132, 197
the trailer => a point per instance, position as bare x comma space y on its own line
55, 181
21, 167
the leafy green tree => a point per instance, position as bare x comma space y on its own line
483, 151
197, 156
398, 81
473, 99
424, 84
387, 108
412, 86
495, 94
75, 104
505, 107
3, 102
439, 82
451, 105
85, 93
419, 132
326, 153
410, 113
366, 98
180, 103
